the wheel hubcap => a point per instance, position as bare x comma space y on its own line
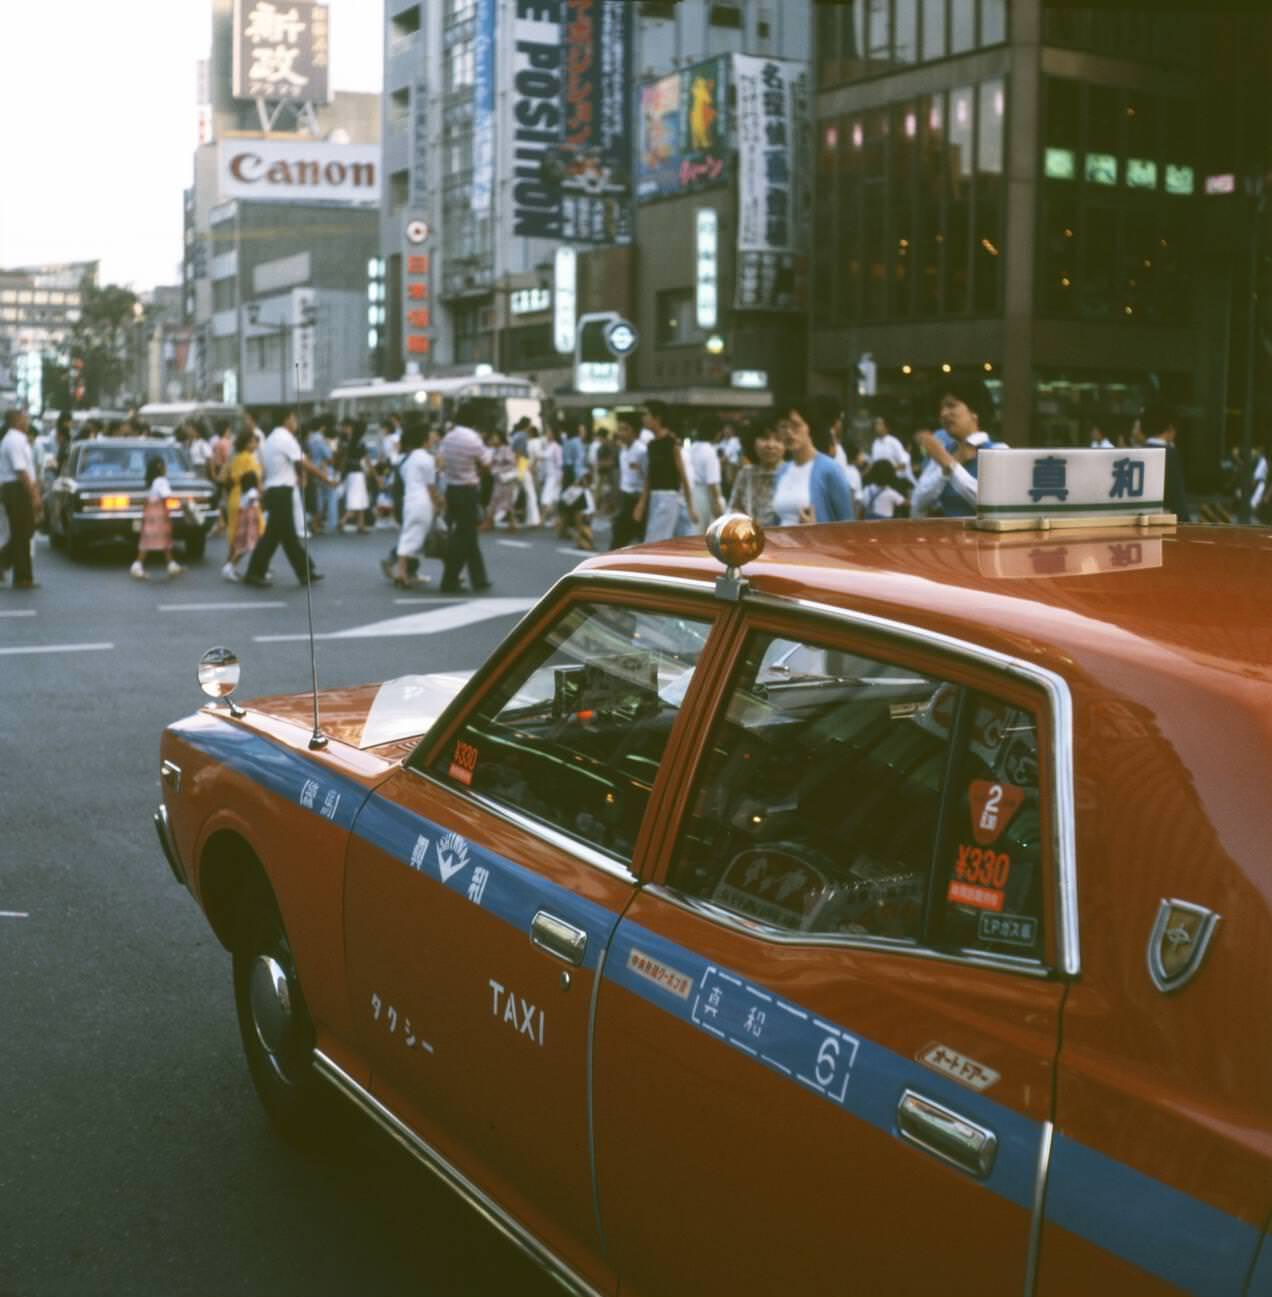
271, 998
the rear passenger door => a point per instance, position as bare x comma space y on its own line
826, 1035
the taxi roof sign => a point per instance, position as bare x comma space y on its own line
1042, 489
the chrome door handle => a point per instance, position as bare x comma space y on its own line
558, 938
943, 1133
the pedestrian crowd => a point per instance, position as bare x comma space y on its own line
442, 483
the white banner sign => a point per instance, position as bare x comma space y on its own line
300, 171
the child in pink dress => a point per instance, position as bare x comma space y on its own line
247, 529
156, 521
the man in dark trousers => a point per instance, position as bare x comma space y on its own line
461, 452
1159, 427
20, 493
280, 456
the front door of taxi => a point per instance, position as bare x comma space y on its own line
483, 890
792, 1094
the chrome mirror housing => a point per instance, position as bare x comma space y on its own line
218, 676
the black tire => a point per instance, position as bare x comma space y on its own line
276, 1029
195, 544
57, 535
76, 545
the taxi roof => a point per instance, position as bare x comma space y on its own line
1188, 600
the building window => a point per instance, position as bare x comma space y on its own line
933, 29
399, 109
905, 31
658, 8
677, 322
405, 25
399, 189
993, 30
725, 15
962, 26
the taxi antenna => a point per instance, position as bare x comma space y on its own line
317, 740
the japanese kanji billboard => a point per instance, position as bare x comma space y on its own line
281, 50
683, 140
774, 182
570, 123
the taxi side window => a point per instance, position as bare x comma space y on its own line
841, 795
992, 869
819, 805
573, 734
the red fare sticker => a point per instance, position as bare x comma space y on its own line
992, 807
982, 898
979, 878
463, 763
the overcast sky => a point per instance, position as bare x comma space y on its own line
98, 121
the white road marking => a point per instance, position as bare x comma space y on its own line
435, 621
14, 914
18, 612
570, 549
221, 607
58, 648
515, 544
421, 598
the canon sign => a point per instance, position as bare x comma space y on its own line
296, 171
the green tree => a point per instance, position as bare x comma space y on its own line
99, 339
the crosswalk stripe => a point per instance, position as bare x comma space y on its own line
515, 544
434, 621
18, 612
30, 649
221, 607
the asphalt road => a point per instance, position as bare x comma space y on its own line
134, 1157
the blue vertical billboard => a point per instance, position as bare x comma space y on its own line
571, 135
484, 107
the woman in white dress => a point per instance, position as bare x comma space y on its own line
420, 503
552, 466
357, 497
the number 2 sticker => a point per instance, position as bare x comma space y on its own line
992, 806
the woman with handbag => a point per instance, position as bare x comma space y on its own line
503, 468
420, 504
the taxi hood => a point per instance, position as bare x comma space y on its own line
366, 716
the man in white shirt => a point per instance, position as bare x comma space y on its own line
20, 492
633, 460
280, 456
886, 446
461, 452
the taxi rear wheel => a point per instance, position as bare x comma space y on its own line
275, 1027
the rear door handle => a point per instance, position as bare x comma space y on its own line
945, 1134
558, 938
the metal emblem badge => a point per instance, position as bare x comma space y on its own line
1178, 942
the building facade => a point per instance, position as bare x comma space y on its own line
281, 230
1021, 191
39, 307
514, 127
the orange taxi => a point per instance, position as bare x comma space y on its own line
889, 913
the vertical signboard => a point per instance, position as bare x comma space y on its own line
596, 181
282, 51
417, 292
683, 133
484, 107
564, 299
304, 308
774, 182
706, 293
571, 120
